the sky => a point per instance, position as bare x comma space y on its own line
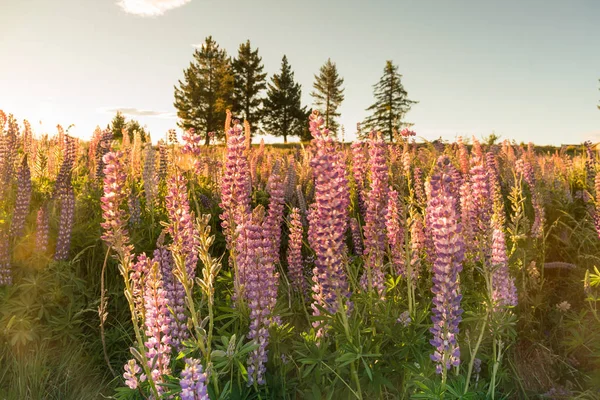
526, 70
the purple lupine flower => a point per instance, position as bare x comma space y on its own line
328, 220
504, 291
477, 366
157, 322
356, 237
115, 219
359, 172
175, 294
290, 179
193, 381
181, 226
236, 185
132, 370
43, 229
63, 179
449, 254
65, 227
294, 255
406, 159
260, 288
5, 267
23, 199
139, 272
272, 224
404, 319
597, 214
373, 277
395, 233
135, 210
526, 170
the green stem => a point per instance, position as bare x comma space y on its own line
474, 353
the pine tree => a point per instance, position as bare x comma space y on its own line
250, 81
206, 92
391, 103
117, 125
328, 94
283, 114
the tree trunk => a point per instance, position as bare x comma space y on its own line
284, 138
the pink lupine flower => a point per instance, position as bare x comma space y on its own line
294, 255
395, 232
328, 219
504, 292
373, 277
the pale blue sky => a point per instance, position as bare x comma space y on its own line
527, 70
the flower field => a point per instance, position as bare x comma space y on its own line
322, 270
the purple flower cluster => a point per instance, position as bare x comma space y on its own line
65, 226
504, 291
449, 254
417, 243
356, 237
463, 156
260, 287
395, 232
193, 381
526, 170
272, 224
157, 322
597, 214
418, 185
328, 220
236, 185
5, 267
373, 277
294, 255
149, 176
43, 229
181, 227
23, 199
175, 294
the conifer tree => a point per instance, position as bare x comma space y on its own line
250, 81
391, 103
206, 91
283, 114
328, 94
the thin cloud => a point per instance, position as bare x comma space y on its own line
150, 8
136, 112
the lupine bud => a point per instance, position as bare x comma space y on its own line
356, 237
504, 292
395, 232
65, 227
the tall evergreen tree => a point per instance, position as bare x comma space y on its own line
117, 125
391, 103
250, 81
283, 114
206, 91
328, 94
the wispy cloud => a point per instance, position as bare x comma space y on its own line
150, 8
136, 112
